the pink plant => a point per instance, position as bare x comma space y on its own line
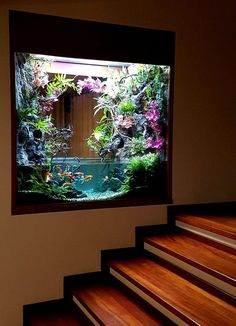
56, 92
124, 121
47, 104
152, 143
40, 78
153, 115
50, 125
90, 84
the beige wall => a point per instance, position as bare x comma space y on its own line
36, 251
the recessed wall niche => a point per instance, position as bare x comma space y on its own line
91, 114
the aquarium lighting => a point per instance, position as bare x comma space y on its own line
82, 67
83, 61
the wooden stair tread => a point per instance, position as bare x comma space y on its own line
109, 304
197, 253
179, 295
222, 225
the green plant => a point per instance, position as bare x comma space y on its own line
150, 161
138, 146
48, 189
126, 107
100, 136
59, 85
140, 170
26, 114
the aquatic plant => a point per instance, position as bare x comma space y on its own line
49, 189
140, 170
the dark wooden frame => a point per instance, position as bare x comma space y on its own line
52, 35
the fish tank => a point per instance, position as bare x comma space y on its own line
89, 132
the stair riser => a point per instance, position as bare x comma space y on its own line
223, 286
169, 314
210, 235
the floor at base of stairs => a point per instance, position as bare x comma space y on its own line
54, 313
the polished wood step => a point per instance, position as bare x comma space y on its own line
219, 228
175, 295
105, 301
213, 265
54, 313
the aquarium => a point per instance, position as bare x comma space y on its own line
90, 131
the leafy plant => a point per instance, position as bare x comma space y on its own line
126, 107
150, 162
139, 171
59, 85
100, 137
138, 146
26, 114
48, 189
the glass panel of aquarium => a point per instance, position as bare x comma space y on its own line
89, 130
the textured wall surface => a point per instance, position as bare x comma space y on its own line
36, 251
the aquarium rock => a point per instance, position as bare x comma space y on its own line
114, 184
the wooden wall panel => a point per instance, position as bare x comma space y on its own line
81, 119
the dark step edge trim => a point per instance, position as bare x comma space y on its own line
156, 298
210, 228
212, 272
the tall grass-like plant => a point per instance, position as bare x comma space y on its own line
140, 170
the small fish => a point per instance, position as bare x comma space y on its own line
47, 176
72, 177
88, 177
59, 169
78, 174
67, 184
65, 174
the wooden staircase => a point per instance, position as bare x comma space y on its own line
176, 274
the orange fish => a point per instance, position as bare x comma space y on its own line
88, 177
67, 184
65, 174
47, 176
